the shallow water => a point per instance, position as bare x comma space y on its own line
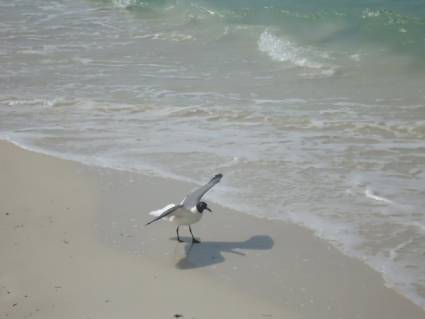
315, 113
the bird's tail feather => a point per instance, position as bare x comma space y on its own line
162, 213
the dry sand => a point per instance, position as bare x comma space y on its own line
73, 245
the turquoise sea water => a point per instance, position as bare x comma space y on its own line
313, 110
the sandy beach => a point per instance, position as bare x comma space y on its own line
73, 245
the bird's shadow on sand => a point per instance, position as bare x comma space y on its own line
210, 252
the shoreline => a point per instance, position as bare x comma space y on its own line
98, 165
80, 228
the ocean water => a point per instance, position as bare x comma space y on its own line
314, 111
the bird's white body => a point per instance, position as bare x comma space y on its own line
181, 216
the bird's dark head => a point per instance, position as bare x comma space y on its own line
201, 206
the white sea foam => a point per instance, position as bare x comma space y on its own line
368, 13
125, 3
283, 50
372, 195
314, 62
172, 36
355, 57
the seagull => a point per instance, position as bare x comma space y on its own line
189, 211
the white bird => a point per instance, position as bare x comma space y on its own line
189, 211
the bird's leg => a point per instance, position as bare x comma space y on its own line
194, 240
177, 231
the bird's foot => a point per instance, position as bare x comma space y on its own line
195, 241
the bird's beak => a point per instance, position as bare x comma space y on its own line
208, 209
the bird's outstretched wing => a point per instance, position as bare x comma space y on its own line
165, 213
193, 198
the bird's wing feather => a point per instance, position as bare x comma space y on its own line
194, 197
158, 212
167, 212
